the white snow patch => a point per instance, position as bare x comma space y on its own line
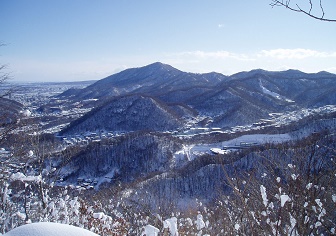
294, 176
273, 94
171, 224
26, 113
30, 153
193, 151
319, 203
50, 229
21, 177
334, 197
219, 151
263, 195
199, 222
284, 198
259, 138
150, 230
98, 215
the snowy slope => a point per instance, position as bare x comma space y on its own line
129, 113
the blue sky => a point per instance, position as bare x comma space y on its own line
67, 40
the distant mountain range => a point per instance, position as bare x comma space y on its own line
161, 97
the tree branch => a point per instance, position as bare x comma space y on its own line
287, 5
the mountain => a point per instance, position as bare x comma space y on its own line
130, 113
151, 79
304, 89
165, 98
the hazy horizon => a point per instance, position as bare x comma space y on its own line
13, 80
83, 40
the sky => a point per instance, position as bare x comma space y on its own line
76, 40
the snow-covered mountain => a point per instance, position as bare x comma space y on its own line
130, 113
152, 79
223, 101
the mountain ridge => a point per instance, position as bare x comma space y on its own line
144, 79
224, 101
158, 78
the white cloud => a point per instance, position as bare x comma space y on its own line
331, 69
221, 26
298, 53
216, 55
229, 62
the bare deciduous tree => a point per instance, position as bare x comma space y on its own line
9, 109
310, 11
3, 78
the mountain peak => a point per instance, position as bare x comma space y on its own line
325, 73
159, 66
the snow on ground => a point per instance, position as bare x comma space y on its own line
259, 138
192, 151
150, 231
184, 152
219, 151
21, 177
107, 178
171, 224
50, 229
273, 94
